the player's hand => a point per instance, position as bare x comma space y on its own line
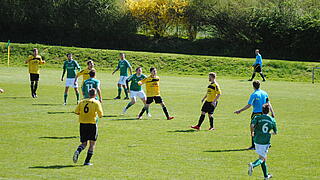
272, 115
139, 83
1, 91
252, 134
112, 72
202, 100
214, 103
61, 79
100, 100
237, 112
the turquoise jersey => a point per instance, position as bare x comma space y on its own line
123, 65
134, 86
263, 124
257, 99
258, 60
88, 84
71, 66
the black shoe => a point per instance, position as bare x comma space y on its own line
252, 148
88, 164
118, 97
126, 98
264, 80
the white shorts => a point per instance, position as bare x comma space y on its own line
122, 80
262, 149
70, 83
140, 94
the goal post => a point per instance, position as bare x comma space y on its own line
314, 68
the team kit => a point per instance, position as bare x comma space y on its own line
89, 109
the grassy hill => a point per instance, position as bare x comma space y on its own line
165, 62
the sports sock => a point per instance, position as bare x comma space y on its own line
264, 168
80, 148
119, 91
65, 98
31, 87
201, 119
142, 111
89, 155
211, 121
126, 91
129, 105
262, 75
165, 111
252, 142
257, 163
35, 87
147, 110
78, 96
253, 75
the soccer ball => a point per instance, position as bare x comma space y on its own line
1, 90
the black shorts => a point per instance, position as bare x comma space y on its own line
208, 107
34, 77
257, 68
88, 132
253, 115
156, 99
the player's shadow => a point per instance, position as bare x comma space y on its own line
227, 150
183, 131
46, 104
53, 137
124, 119
14, 97
110, 116
59, 112
54, 167
107, 99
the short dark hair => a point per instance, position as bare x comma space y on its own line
266, 108
256, 84
89, 61
92, 92
69, 54
92, 73
212, 74
138, 68
151, 69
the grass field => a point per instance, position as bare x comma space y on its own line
39, 136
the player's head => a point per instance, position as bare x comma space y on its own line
266, 108
256, 84
212, 76
257, 51
35, 51
122, 56
92, 73
153, 71
69, 56
139, 70
92, 93
90, 64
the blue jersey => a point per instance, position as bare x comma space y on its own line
88, 84
258, 60
257, 99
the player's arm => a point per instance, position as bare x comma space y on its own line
214, 102
118, 67
99, 92
204, 97
143, 81
27, 61
252, 129
41, 61
77, 111
78, 74
243, 109
99, 111
63, 71
271, 109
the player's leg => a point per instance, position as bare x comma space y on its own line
146, 107
143, 98
158, 100
125, 91
32, 88
90, 152
119, 92
65, 96
76, 154
262, 75
210, 114
77, 94
211, 121
132, 102
35, 88
201, 119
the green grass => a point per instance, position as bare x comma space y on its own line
169, 63
39, 136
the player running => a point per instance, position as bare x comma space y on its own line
257, 66
135, 89
212, 96
260, 131
91, 83
71, 66
84, 73
88, 109
123, 65
153, 93
33, 61
257, 99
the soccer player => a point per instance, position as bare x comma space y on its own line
135, 89
91, 83
88, 109
71, 66
34, 61
260, 131
211, 97
85, 73
153, 93
257, 66
257, 99
123, 65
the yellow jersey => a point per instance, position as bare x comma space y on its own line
33, 63
212, 92
152, 85
88, 109
85, 74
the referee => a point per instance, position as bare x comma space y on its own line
88, 109
257, 66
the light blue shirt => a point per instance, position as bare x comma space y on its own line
257, 99
258, 59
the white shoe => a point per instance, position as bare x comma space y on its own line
75, 156
250, 169
149, 115
124, 111
269, 176
64, 104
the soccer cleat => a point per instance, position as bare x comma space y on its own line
118, 97
124, 111
126, 98
149, 115
268, 177
75, 156
251, 148
211, 129
139, 117
195, 127
64, 104
264, 80
88, 164
170, 118
35, 95
250, 169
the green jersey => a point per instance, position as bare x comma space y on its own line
123, 65
71, 66
263, 124
134, 86
88, 84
